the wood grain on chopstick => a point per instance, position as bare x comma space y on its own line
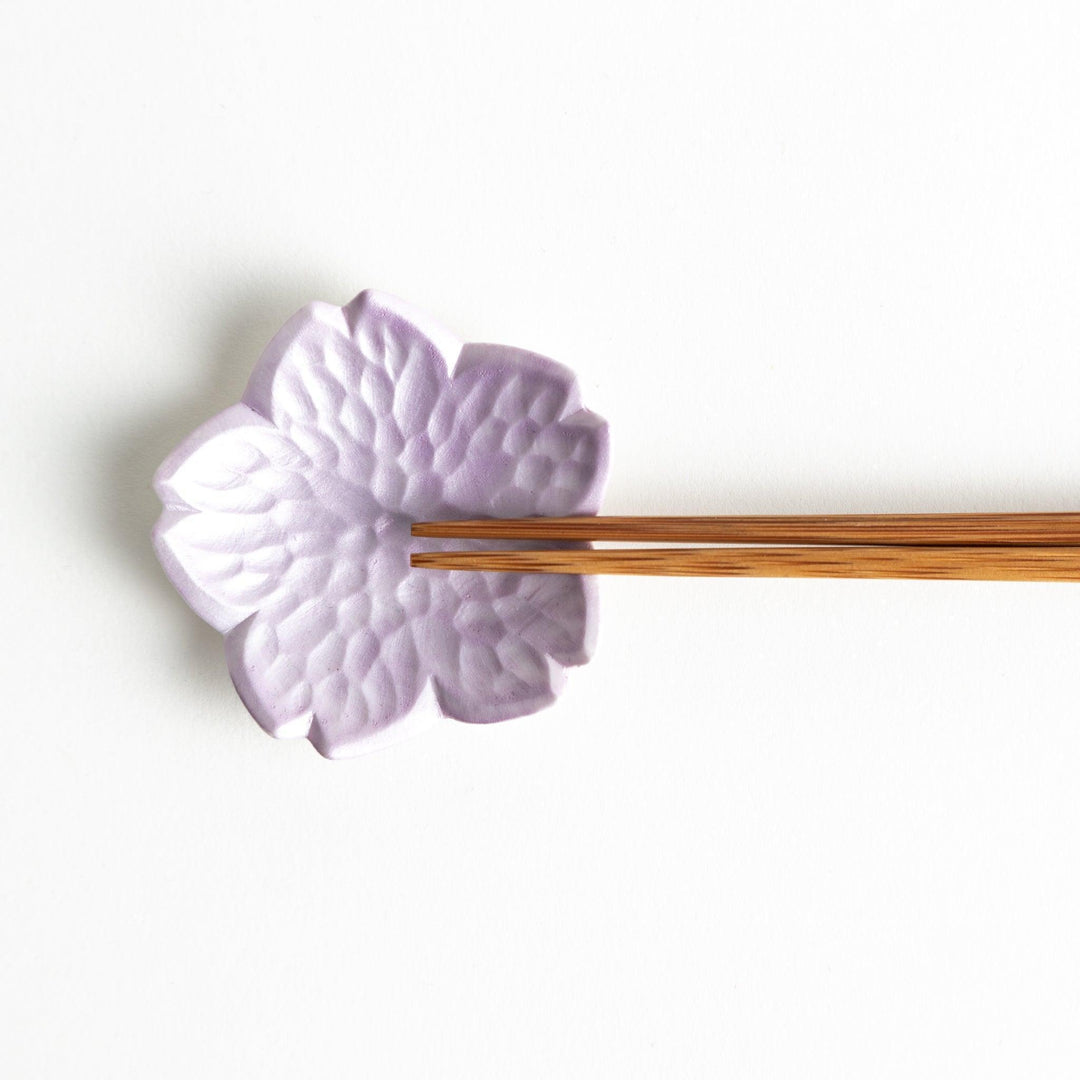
935, 530
943, 563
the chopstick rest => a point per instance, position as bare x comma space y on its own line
286, 525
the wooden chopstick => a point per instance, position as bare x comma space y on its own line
1023, 563
936, 530
973, 547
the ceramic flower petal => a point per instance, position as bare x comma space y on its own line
510, 636
287, 526
527, 446
223, 535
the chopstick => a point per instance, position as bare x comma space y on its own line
1023, 563
972, 547
935, 530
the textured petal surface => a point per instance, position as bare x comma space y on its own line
522, 444
287, 526
355, 388
502, 640
236, 497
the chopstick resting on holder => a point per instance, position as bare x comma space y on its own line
978, 547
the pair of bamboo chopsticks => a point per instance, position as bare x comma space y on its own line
972, 547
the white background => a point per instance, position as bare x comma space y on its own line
804, 257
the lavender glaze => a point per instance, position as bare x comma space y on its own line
286, 526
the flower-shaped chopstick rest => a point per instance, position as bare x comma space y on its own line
286, 526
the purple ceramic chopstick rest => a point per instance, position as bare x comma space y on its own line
286, 526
